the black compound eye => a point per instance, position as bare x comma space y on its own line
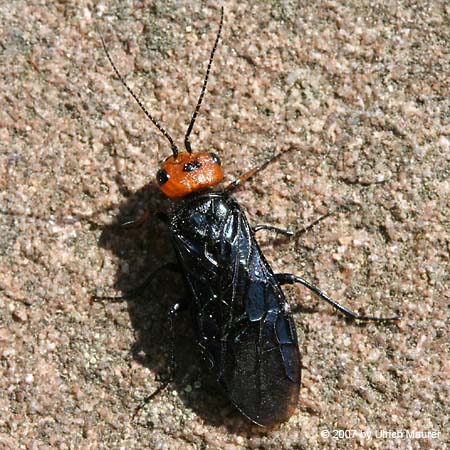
216, 159
194, 165
162, 177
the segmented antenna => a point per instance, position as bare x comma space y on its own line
187, 143
155, 122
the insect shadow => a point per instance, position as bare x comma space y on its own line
141, 249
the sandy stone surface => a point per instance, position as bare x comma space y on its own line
358, 88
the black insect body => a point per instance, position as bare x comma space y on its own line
240, 313
238, 307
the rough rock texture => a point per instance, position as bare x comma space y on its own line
359, 89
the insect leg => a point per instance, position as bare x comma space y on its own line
66, 218
251, 173
294, 233
288, 278
136, 291
143, 218
173, 312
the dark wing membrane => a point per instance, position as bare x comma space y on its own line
239, 311
261, 374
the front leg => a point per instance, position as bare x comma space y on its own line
143, 219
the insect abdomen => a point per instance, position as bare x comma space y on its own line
238, 308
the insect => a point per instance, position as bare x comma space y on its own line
240, 313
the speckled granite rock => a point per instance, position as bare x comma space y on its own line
359, 88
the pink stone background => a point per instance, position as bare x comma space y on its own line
359, 88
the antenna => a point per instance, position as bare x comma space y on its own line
155, 122
187, 143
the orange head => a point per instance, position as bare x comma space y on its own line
186, 173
